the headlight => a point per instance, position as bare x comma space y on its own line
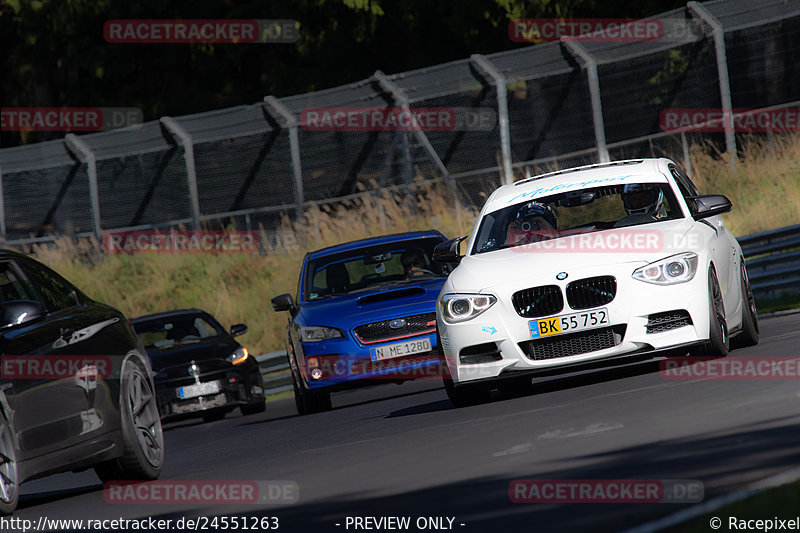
318, 333
462, 307
239, 356
675, 269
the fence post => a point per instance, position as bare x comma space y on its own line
722, 72
77, 146
2, 208
188, 156
687, 162
502, 111
294, 145
401, 99
594, 90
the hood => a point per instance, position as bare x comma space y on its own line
635, 245
208, 352
374, 303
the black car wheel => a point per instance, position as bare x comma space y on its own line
9, 479
143, 439
750, 333
308, 401
466, 395
254, 408
718, 342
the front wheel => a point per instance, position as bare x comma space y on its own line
749, 334
9, 478
308, 401
253, 408
718, 342
466, 395
143, 440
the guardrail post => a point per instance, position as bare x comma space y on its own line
78, 147
294, 145
502, 111
402, 99
594, 90
2, 208
687, 163
188, 156
722, 72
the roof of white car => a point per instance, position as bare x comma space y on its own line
575, 179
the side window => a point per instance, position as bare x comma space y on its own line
687, 188
56, 291
12, 286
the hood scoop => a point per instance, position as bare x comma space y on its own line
390, 295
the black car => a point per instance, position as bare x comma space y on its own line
75, 384
201, 371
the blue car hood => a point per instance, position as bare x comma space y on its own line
375, 303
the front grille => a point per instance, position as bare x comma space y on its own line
538, 301
668, 320
365, 366
591, 292
573, 343
479, 353
380, 331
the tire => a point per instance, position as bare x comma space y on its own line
255, 407
466, 395
310, 402
214, 415
718, 341
9, 475
750, 333
143, 439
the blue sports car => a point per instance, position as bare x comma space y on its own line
365, 311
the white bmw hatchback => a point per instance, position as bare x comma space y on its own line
590, 263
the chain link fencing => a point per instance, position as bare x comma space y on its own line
559, 104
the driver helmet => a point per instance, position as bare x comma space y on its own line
644, 199
527, 214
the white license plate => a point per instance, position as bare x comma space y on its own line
556, 325
199, 389
400, 349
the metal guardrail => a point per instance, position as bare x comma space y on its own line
275, 370
773, 265
773, 260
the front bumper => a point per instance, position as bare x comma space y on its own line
345, 364
235, 388
642, 318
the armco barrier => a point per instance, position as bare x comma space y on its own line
773, 265
773, 260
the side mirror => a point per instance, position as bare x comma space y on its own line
238, 329
709, 205
448, 252
283, 302
16, 312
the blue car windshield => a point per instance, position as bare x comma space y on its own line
360, 268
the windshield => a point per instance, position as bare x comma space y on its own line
574, 212
173, 331
365, 267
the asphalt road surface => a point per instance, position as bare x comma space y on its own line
403, 451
